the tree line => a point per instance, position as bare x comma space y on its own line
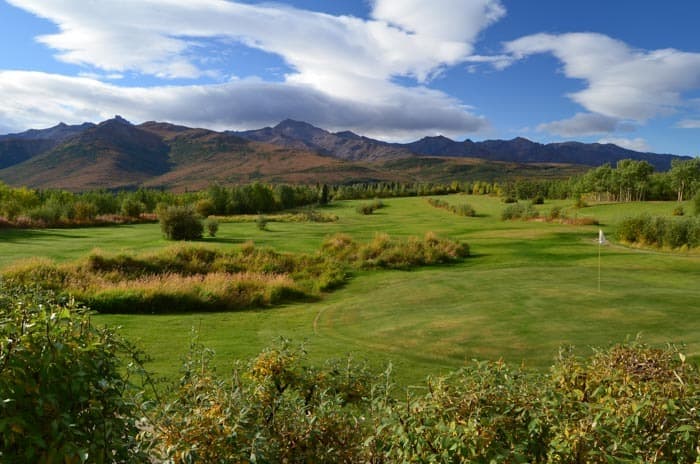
629, 180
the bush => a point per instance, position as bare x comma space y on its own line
180, 223
132, 208
696, 204
65, 394
84, 211
48, 214
261, 222
678, 211
556, 213
660, 231
205, 207
370, 208
212, 226
519, 211
627, 403
465, 209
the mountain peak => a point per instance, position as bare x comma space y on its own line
348, 135
294, 124
115, 120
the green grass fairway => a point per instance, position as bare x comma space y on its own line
529, 288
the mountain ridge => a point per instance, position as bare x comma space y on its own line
118, 154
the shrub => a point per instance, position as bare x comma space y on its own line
132, 208
261, 222
556, 213
84, 211
65, 394
212, 226
539, 200
465, 209
660, 231
696, 203
49, 214
369, 208
273, 409
365, 209
205, 207
678, 211
627, 403
180, 223
519, 211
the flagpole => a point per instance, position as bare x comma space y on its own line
599, 265
600, 242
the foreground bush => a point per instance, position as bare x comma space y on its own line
273, 409
65, 395
629, 403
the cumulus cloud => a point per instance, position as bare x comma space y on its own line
636, 144
337, 62
622, 82
40, 99
689, 124
583, 124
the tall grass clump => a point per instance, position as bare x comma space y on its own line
464, 209
190, 278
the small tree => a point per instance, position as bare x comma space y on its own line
132, 208
212, 226
180, 223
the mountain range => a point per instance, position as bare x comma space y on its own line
118, 154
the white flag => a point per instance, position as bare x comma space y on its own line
601, 237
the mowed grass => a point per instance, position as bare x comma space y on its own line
530, 288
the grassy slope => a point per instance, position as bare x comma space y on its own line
530, 288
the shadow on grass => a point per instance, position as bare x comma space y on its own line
17, 235
231, 241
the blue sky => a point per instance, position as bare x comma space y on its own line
623, 71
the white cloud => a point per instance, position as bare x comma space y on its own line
583, 124
622, 82
689, 124
157, 36
449, 20
337, 62
33, 99
636, 144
